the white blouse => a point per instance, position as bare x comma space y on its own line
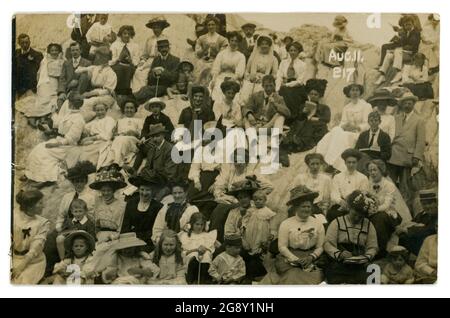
356, 114
231, 114
117, 47
193, 242
320, 183
103, 128
228, 61
97, 32
299, 68
104, 79
388, 125
71, 126
126, 124
345, 183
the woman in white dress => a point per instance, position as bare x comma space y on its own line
261, 62
47, 160
229, 64
29, 236
353, 121
228, 107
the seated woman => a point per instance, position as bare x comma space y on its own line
415, 77
29, 234
228, 107
211, 43
344, 136
229, 64
387, 215
300, 242
291, 79
351, 243
125, 58
126, 135
108, 210
97, 137
262, 62
380, 100
426, 263
309, 122
103, 81
45, 161
141, 211
47, 85
175, 215
317, 181
186, 80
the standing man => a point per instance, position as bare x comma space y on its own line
27, 65
248, 40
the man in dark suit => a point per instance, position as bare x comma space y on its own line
69, 81
374, 142
408, 144
163, 73
248, 40
27, 62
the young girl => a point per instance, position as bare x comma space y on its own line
97, 136
228, 267
167, 256
397, 271
128, 264
198, 246
79, 245
126, 137
79, 222
261, 227
185, 81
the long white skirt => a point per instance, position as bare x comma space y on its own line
33, 273
122, 150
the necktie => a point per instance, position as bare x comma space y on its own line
371, 139
266, 100
124, 54
291, 71
404, 118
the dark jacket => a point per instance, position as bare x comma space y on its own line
163, 119
384, 142
68, 74
170, 74
69, 225
187, 116
160, 160
26, 69
244, 48
255, 105
409, 42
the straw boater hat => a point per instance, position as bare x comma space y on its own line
156, 129
157, 21
68, 241
155, 100
351, 153
111, 178
340, 20
127, 240
249, 185
382, 95
248, 25
149, 178
300, 194
407, 96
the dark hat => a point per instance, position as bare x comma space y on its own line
185, 63
230, 84
249, 185
351, 153
110, 178
148, 178
248, 25
361, 202
382, 95
68, 241
233, 240
160, 21
81, 170
347, 89
300, 194
156, 129
318, 85
162, 42
428, 195
155, 101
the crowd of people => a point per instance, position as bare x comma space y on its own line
134, 215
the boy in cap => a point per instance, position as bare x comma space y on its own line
229, 267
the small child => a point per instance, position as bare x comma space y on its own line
184, 82
79, 222
129, 265
167, 256
229, 267
261, 228
98, 32
198, 246
79, 245
397, 271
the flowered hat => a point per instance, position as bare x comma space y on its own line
362, 202
249, 185
108, 177
158, 21
300, 194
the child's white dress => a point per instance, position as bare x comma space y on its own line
258, 229
194, 241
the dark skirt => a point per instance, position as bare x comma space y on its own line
147, 92
203, 199
384, 225
124, 74
303, 135
219, 217
340, 273
423, 91
197, 273
295, 98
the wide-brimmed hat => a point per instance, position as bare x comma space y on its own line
300, 194
81, 170
382, 95
347, 89
185, 63
230, 84
149, 178
68, 241
232, 240
248, 25
351, 153
153, 101
162, 42
407, 96
339, 20
428, 195
249, 185
127, 240
398, 250
157, 21
110, 178
156, 129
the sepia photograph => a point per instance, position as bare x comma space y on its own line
225, 148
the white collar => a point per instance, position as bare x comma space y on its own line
83, 220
